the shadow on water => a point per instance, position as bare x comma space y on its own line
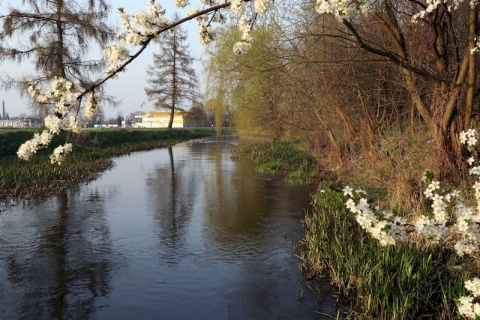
176, 233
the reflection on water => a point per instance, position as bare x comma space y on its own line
177, 233
55, 258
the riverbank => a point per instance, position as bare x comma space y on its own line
92, 154
406, 281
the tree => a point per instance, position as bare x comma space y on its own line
433, 54
172, 78
57, 35
196, 116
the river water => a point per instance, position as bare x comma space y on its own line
176, 233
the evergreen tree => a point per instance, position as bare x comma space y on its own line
171, 77
57, 35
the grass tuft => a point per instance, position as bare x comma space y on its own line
281, 157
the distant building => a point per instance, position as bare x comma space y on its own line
158, 119
21, 123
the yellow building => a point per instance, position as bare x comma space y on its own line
158, 119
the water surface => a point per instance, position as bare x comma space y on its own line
175, 233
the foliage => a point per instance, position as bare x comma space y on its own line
394, 282
246, 84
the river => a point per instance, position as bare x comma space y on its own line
175, 233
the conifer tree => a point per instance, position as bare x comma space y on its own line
172, 78
56, 35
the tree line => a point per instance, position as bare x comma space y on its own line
344, 83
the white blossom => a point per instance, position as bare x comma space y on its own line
53, 124
261, 6
91, 107
31, 146
181, 3
347, 191
60, 153
237, 6
241, 47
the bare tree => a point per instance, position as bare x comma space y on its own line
434, 58
171, 77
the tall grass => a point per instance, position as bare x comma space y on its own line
395, 282
93, 150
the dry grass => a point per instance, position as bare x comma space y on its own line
391, 169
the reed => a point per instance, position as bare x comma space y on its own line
395, 282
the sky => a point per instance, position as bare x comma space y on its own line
128, 88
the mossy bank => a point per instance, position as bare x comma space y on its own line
92, 154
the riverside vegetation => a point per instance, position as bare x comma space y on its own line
419, 279
91, 155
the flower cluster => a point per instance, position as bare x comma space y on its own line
450, 216
467, 305
469, 138
58, 155
64, 98
91, 107
138, 28
261, 6
345, 9
62, 95
31, 146
385, 227
243, 45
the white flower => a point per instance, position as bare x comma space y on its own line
434, 185
193, 10
261, 6
181, 3
347, 191
73, 124
31, 146
90, 107
241, 47
237, 6
53, 124
473, 286
465, 307
59, 153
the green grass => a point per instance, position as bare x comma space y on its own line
92, 153
395, 282
281, 157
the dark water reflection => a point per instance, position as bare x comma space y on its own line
178, 233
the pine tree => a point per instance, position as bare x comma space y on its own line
57, 35
171, 77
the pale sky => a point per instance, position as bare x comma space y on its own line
129, 86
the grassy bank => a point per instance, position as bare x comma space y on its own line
281, 157
396, 282
93, 150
